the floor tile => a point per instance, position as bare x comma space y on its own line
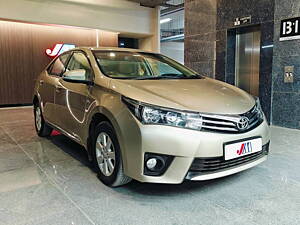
5, 140
77, 181
34, 198
123, 210
285, 137
283, 166
68, 217
15, 115
22, 132
13, 158
45, 152
257, 195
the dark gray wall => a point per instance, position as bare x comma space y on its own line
286, 96
209, 47
200, 35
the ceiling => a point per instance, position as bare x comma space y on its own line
150, 3
164, 3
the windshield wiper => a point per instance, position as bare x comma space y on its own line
150, 78
155, 77
195, 76
169, 76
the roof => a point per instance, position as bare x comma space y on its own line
113, 49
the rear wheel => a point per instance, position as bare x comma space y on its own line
41, 127
107, 157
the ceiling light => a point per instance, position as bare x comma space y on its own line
166, 20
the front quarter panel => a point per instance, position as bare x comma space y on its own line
109, 104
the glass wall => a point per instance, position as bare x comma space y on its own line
172, 30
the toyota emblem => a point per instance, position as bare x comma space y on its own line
243, 123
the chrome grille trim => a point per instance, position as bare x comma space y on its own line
218, 122
233, 118
228, 123
219, 128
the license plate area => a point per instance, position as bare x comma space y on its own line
241, 148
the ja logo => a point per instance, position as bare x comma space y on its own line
59, 49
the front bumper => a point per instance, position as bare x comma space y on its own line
199, 176
185, 145
211, 168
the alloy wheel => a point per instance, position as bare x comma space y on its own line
105, 154
38, 118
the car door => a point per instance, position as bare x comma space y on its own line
48, 85
72, 94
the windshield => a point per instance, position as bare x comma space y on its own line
141, 66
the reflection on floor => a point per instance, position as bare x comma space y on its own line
49, 181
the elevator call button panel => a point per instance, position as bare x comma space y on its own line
289, 74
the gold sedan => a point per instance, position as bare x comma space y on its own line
141, 115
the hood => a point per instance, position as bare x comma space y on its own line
199, 95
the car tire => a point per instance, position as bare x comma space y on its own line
41, 127
107, 158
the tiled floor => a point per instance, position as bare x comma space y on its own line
48, 181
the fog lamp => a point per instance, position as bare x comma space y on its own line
151, 163
156, 164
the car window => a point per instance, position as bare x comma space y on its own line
137, 65
78, 67
123, 65
160, 68
58, 66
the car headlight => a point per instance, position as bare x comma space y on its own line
149, 114
259, 108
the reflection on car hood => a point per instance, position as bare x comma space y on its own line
200, 95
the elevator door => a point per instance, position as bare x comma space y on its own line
247, 60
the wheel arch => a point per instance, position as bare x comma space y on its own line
99, 116
35, 100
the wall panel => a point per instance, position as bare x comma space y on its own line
22, 55
108, 39
286, 96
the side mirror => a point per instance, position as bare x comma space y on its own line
76, 76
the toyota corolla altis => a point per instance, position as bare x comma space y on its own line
141, 115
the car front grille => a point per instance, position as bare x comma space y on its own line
208, 165
229, 124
